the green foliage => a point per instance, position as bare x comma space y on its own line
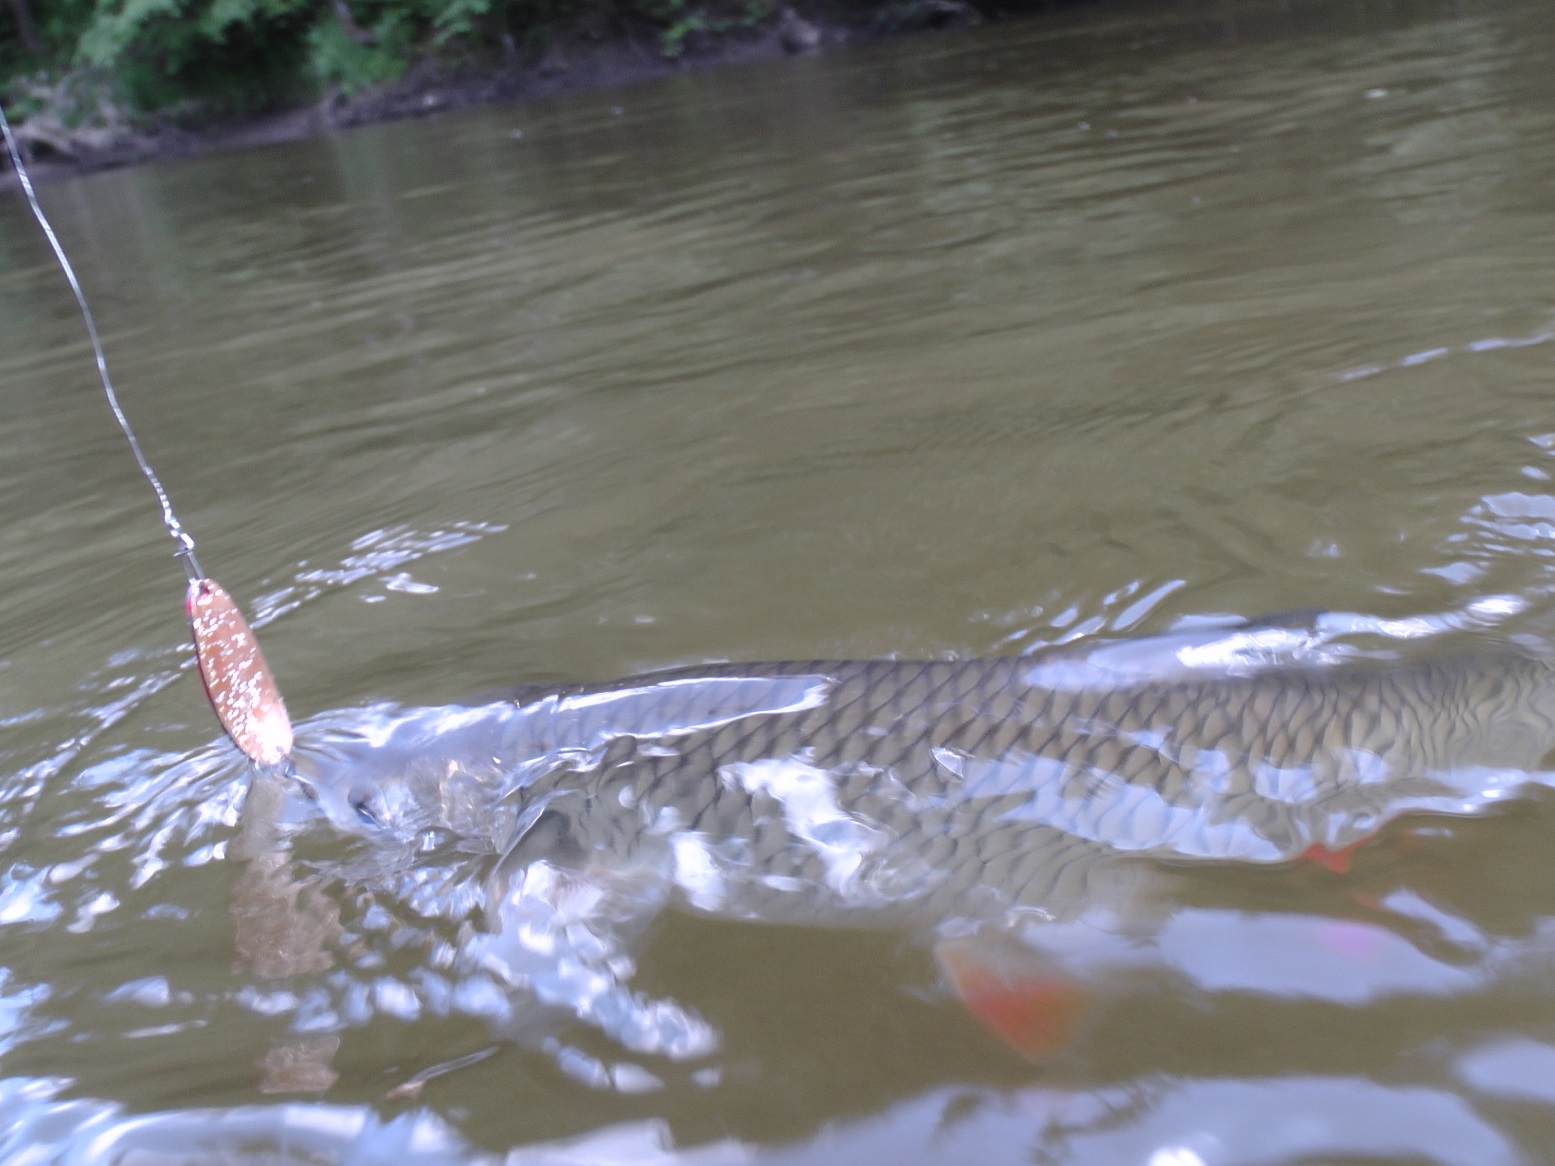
388, 36
55, 24
459, 18
213, 56
111, 32
684, 21
335, 59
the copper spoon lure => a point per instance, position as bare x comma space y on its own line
237, 680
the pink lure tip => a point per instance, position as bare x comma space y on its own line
237, 679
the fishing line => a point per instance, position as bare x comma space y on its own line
237, 680
180, 536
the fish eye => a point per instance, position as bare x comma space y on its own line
360, 801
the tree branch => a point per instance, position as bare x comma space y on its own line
26, 27
352, 29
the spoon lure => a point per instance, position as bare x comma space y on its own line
237, 680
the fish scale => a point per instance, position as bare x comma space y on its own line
919, 791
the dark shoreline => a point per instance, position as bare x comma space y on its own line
430, 87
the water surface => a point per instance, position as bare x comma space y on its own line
1093, 324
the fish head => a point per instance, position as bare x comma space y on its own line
399, 773
354, 801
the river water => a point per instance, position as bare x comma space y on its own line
1112, 321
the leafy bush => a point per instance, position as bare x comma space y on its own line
216, 56
376, 55
248, 52
230, 54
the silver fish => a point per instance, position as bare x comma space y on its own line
957, 799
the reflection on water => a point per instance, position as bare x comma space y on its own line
1249, 1121
1123, 321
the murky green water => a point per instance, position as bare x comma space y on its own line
956, 346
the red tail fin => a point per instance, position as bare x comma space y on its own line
1337, 861
1034, 1010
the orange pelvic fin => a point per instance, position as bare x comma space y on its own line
1337, 861
1033, 1009
237, 680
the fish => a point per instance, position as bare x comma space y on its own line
994, 808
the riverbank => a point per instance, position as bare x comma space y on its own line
579, 60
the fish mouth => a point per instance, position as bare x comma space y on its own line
354, 805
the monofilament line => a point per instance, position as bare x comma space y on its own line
233, 670
185, 551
